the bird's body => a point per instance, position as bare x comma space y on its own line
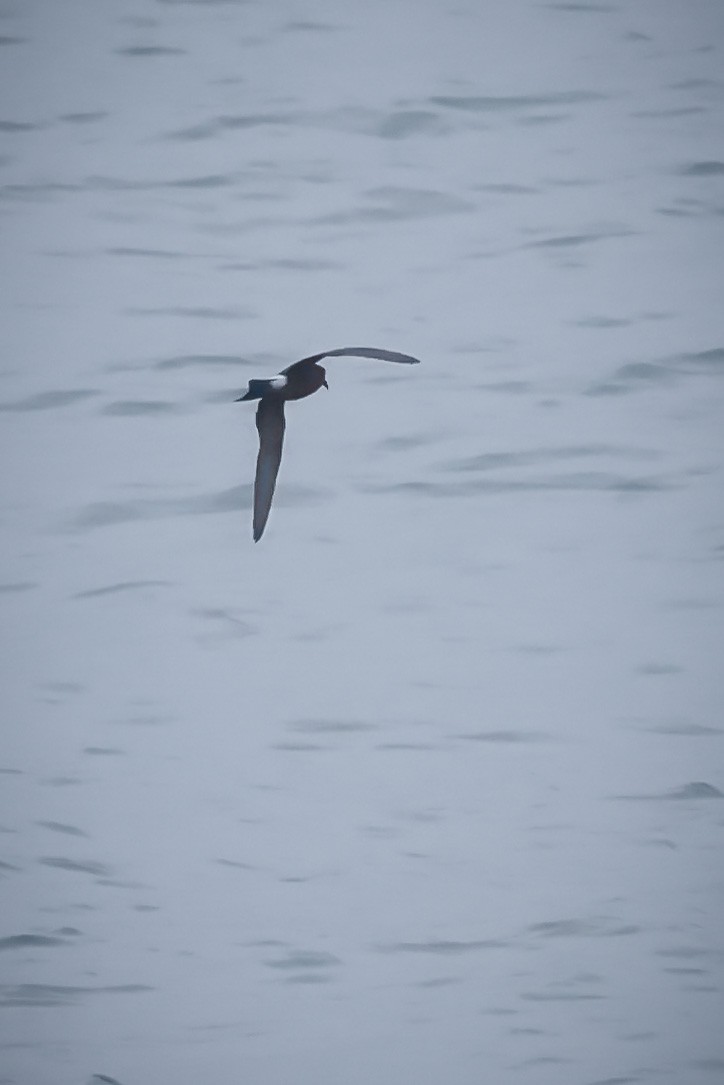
295, 382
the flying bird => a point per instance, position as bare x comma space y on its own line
295, 382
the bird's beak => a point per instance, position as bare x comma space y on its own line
325, 385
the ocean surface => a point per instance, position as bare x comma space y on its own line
427, 786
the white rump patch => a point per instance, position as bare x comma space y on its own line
279, 382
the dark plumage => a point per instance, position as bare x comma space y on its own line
295, 382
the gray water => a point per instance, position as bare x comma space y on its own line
427, 785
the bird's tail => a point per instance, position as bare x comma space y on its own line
256, 390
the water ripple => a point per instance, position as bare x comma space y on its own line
45, 401
25, 941
98, 870
44, 994
238, 498
443, 947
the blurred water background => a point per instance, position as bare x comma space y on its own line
426, 786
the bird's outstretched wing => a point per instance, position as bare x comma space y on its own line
270, 424
358, 352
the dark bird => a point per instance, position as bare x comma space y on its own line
295, 382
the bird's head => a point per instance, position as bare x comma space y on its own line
314, 378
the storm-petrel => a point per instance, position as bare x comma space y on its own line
295, 382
